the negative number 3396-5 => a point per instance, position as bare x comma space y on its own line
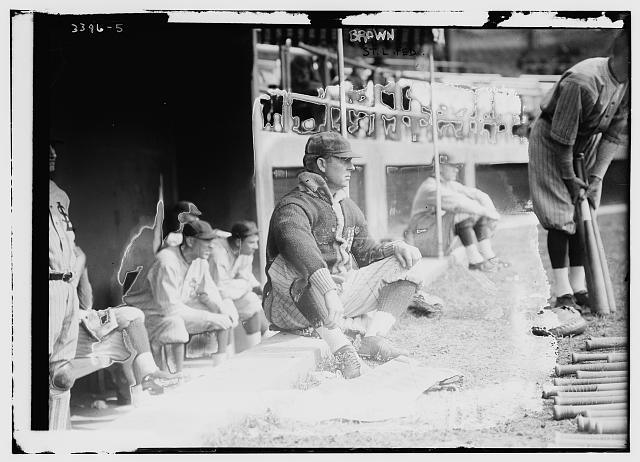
91, 28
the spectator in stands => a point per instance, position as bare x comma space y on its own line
100, 337
231, 265
316, 236
469, 214
179, 297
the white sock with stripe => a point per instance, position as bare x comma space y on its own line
484, 246
577, 279
335, 338
473, 255
561, 285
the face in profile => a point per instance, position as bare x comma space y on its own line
249, 245
449, 172
338, 171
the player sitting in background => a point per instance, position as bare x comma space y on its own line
469, 214
231, 264
100, 335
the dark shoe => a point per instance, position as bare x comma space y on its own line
424, 304
582, 299
379, 349
567, 300
485, 266
349, 363
499, 262
152, 385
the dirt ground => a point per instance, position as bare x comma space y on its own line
483, 333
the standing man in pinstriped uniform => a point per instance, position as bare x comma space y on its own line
585, 112
63, 303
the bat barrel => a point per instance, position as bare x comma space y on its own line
606, 413
609, 357
611, 426
584, 374
606, 342
566, 369
589, 381
589, 400
561, 412
548, 392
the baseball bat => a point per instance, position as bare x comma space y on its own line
598, 374
589, 400
597, 292
606, 413
590, 440
555, 391
569, 412
606, 342
608, 285
588, 424
609, 357
589, 381
606, 276
593, 394
566, 369
611, 426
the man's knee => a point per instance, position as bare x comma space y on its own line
464, 225
126, 314
252, 325
63, 378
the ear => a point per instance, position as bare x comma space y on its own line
321, 162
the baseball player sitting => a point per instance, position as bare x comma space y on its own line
324, 270
179, 297
468, 213
113, 335
231, 264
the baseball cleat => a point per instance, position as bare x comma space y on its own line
349, 363
424, 304
485, 266
379, 349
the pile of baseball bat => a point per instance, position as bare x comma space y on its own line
594, 390
601, 297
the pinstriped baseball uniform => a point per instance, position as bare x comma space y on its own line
586, 102
63, 300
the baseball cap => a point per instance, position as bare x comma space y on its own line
199, 229
328, 144
444, 160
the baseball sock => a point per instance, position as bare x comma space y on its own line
380, 323
484, 246
394, 297
562, 285
577, 279
145, 364
59, 409
335, 338
473, 255
138, 336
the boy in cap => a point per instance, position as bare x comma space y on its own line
231, 264
180, 298
469, 214
322, 265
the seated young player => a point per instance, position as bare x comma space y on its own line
469, 214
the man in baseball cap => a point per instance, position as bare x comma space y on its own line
179, 297
324, 270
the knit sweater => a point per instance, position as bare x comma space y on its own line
303, 229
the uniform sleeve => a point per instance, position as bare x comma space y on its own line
209, 293
617, 132
165, 287
291, 230
364, 248
221, 272
452, 198
566, 116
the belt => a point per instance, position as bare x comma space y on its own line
66, 277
